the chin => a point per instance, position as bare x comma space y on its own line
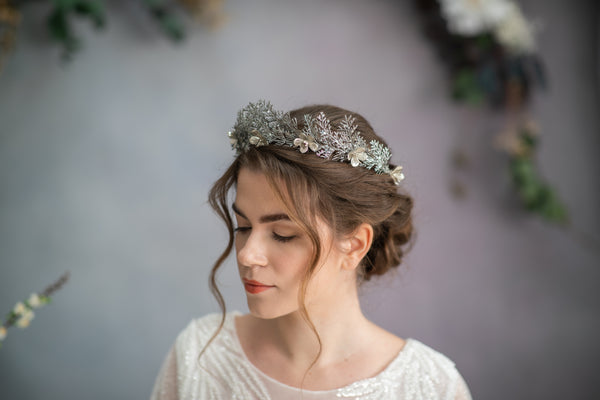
267, 311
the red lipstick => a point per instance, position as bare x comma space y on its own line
255, 287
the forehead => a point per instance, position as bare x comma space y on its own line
254, 194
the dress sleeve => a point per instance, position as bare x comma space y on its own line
165, 387
462, 390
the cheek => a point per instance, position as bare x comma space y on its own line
237, 243
289, 262
296, 262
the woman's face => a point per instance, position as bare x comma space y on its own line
273, 252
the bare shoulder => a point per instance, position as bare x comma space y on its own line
384, 346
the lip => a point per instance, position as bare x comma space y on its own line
255, 287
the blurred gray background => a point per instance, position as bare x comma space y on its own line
105, 164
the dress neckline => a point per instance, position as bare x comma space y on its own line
230, 321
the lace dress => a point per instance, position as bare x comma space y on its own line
224, 372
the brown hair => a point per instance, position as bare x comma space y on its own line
311, 187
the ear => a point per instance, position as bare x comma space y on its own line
356, 245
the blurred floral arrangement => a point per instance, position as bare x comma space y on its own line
490, 51
22, 313
63, 13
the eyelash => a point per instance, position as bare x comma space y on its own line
278, 238
282, 239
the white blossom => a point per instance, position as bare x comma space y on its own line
305, 142
397, 175
232, 139
515, 32
257, 139
34, 301
357, 155
472, 17
19, 308
25, 319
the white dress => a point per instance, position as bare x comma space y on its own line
224, 372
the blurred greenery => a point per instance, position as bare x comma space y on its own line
59, 21
466, 88
484, 71
63, 14
536, 195
167, 20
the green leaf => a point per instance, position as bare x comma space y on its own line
552, 209
484, 41
168, 21
465, 87
154, 3
173, 27
536, 195
530, 195
522, 170
60, 30
63, 5
94, 10
58, 26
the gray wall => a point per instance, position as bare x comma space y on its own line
105, 163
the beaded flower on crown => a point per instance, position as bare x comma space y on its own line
258, 124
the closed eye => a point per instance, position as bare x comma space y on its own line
277, 237
283, 239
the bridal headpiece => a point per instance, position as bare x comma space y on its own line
258, 124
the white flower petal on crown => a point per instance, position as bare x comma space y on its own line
232, 139
397, 175
302, 144
257, 139
356, 156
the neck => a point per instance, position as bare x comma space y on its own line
292, 337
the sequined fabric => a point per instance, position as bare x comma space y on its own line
224, 372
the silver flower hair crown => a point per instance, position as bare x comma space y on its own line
258, 124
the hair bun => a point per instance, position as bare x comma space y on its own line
389, 240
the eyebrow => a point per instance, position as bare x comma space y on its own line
263, 219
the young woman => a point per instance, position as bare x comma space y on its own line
317, 211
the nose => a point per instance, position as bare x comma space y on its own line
252, 252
